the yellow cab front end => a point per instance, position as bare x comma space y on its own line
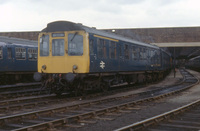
63, 52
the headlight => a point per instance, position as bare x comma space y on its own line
75, 67
44, 67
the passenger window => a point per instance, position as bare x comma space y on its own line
112, 50
75, 45
58, 47
1, 52
152, 53
134, 53
9, 53
91, 47
126, 50
20, 53
44, 45
101, 48
32, 54
143, 54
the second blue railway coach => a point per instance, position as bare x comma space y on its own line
18, 60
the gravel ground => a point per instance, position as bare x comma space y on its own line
146, 110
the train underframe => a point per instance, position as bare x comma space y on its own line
15, 77
81, 83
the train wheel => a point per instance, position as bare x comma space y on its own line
80, 89
58, 90
104, 86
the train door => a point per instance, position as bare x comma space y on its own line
113, 61
10, 58
93, 53
121, 56
102, 62
2, 63
127, 65
152, 59
159, 59
148, 54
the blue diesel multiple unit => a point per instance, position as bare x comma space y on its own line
73, 57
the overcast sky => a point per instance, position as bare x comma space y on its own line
33, 15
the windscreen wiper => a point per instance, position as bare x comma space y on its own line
74, 36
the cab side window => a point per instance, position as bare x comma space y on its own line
44, 45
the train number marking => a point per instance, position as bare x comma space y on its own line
102, 64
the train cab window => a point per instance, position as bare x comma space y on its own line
44, 45
101, 48
112, 50
32, 54
9, 53
126, 50
1, 52
58, 47
20, 53
91, 47
75, 44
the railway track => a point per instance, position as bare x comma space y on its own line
185, 118
20, 104
9, 106
18, 86
20, 90
80, 111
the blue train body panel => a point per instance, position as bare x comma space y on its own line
146, 58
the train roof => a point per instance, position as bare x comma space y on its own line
12, 40
69, 26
